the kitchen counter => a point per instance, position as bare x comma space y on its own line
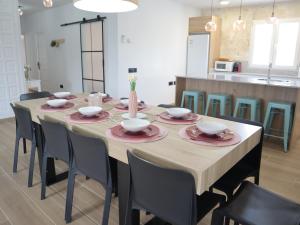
278, 89
290, 82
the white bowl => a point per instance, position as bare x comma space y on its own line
57, 102
178, 112
135, 125
103, 95
211, 128
126, 101
138, 116
90, 110
62, 94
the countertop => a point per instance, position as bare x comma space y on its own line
251, 79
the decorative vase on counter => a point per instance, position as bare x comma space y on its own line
133, 101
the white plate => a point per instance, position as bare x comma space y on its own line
62, 94
57, 102
138, 116
135, 125
178, 112
90, 110
211, 128
103, 95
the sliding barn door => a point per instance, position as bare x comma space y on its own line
93, 79
11, 65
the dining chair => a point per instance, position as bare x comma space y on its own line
252, 205
166, 106
56, 146
248, 166
168, 194
25, 130
29, 96
90, 158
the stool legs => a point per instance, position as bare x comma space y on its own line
207, 105
286, 129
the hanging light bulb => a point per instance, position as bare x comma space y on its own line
239, 24
211, 26
20, 11
106, 6
48, 3
273, 19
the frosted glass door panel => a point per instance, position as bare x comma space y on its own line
92, 86
97, 64
86, 40
87, 65
96, 30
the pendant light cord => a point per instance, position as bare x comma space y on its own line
273, 12
212, 8
241, 5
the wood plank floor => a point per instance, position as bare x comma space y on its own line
20, 205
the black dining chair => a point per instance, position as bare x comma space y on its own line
166, 106
30, 96
252, 205
56, 146
247, 167
25, 130
168, 194
90, 158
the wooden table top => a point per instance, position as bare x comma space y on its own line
206, 163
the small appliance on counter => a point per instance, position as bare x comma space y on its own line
224, 66
237, 67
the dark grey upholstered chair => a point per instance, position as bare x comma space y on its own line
168, 194
252, 205
29, 96
166, 106
56, 146
90, 158
25, 130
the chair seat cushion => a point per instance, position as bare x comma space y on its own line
256, 206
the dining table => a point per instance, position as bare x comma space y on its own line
206, 163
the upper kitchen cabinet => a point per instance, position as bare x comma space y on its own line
197, 26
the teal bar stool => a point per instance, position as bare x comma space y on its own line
217, 98
287, 109
193, 96
244, 103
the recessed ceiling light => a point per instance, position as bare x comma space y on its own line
224, 2
104, 6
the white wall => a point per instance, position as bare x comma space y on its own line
158, 34
63, 65
11, 64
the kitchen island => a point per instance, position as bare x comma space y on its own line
275, 89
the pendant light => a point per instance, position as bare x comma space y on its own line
211, 26
239, 24
106, 6
273, 19
48, 3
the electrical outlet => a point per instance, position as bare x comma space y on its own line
170, 83
174, 83
61, 86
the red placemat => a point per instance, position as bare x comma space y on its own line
124, 108
167, 118
48, 108
70, 97
194, 135
77, 117
104, 100
151, 134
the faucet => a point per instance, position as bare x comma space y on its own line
269, 72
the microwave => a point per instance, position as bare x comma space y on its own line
224, 66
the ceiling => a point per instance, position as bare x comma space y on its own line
30, 6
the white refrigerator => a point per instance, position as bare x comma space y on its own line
198, 55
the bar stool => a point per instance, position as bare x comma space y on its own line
288, 113
244, 103
193, 95
218, 98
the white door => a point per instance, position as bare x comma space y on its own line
11, 66
198, 55
32, 55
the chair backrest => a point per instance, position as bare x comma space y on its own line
56, 140
24, 123
91, 157
167, 193
34, 95
166, 106
254, 156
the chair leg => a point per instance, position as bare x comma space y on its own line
207, 106
31, 163
44, 174
24, 146
70, 192
106, 210
287, 114
256, 179
217, 218
16, 154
